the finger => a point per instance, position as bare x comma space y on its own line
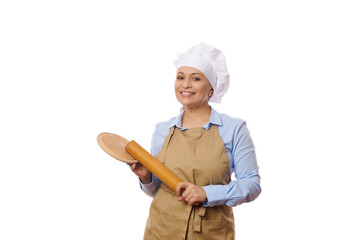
193, 195
178, 189
191, 200
188, 198
188, 191
133, 166
194, 203
180, 186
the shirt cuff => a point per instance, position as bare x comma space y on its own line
216, 195
150, 188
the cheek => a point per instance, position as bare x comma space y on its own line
176, 85
207, 89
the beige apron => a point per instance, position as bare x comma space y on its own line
197, 156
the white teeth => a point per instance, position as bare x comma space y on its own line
186, 93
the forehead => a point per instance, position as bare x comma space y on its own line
189, 70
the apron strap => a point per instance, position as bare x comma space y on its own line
199, 214
166, 141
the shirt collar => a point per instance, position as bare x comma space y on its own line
214, 119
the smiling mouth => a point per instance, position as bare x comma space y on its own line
187, 94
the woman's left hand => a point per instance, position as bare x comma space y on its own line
191, 193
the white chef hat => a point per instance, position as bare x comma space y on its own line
211, 62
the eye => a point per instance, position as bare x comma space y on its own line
179, 78
196, 79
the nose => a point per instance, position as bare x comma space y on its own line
186, 83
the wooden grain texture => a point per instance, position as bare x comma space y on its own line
114, 145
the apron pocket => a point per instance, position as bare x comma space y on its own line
172, 228
212, 230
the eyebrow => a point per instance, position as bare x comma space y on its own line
191, 73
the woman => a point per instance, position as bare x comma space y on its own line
203, 148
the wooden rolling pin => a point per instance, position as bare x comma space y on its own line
153, 165
131, 152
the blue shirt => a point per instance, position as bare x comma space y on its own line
241, 154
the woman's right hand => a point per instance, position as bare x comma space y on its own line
142, 172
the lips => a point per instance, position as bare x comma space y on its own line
187, 94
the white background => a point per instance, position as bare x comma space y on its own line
72, 69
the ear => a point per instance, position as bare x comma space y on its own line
210, 92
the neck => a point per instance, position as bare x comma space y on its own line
196, 117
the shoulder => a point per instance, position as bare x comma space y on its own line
231, 123
165, 124
234, 133
160, 133
162, 128
232, 129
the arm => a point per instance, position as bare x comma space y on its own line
150, 188
246, 187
